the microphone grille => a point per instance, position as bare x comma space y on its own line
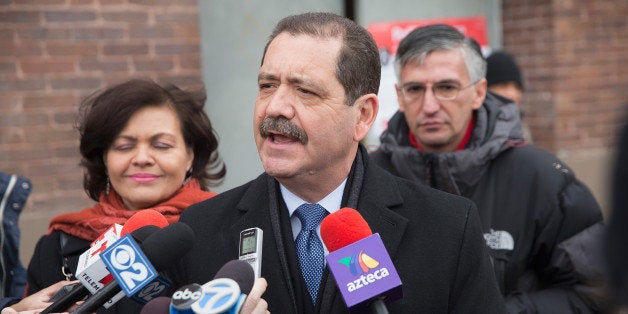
240, 271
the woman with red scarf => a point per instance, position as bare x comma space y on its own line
143, 146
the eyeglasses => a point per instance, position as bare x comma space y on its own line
412, 92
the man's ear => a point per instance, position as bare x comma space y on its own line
402, 107
480, 93
367, 106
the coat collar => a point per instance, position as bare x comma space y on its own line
378, 198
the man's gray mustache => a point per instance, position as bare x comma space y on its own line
284, 127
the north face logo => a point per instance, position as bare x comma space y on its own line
499, 240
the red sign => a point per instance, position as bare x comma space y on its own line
389, 34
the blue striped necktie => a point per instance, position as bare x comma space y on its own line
309, 247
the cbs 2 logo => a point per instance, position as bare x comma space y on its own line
151, 291
133, 273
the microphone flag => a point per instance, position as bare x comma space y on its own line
364, 270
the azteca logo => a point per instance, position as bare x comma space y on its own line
361, 264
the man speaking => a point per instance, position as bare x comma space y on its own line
317, 99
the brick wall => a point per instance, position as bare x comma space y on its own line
54, 52
575, 65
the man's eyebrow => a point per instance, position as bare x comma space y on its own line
445, 81
448, 81
267, 76
297, 80
292, 80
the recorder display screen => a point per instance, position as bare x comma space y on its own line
248, 245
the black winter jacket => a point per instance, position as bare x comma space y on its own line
543, 225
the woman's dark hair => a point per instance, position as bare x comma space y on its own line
104, 114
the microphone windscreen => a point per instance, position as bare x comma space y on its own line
142, 233
142, 218
168, 244
240, 271
158, 305
343, 227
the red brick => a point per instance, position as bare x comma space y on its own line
111, 2
163, 2
65, 118
39, 3
7, 68
70, 150
11, 135
58, 168
38, 102
6, 36
151, 32
185, 18
577, 38
47, 66
65, 202
192, 62
23, 119
103, 65
71, 185
19, 17
46, 135
44, 33
89, 83
100, 33
125, 49
175, 49
65, 48
22, 85
82, 2
29, 154
21, 49
69, 16
143, 65
11, 102
186, 31
125, 16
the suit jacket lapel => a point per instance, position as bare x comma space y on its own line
378, 199
262, 203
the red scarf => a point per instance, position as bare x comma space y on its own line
461, 146
91, 222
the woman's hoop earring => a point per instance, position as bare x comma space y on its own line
108, 186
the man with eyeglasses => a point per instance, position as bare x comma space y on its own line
542, 225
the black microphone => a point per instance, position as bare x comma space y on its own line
233, 282
241, 272
161, 248
158, 305
79, 292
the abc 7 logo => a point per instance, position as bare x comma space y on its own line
219, 296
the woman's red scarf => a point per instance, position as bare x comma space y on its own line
91, 222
